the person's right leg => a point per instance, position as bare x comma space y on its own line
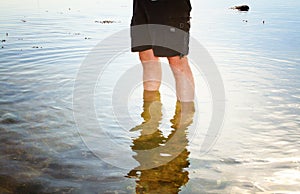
151, 70
185, 86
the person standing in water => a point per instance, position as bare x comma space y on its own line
171, 41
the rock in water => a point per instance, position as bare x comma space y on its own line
241, 7
9, 118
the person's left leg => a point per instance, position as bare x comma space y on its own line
151, 70
185, 86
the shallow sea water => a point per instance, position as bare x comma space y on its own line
257, 150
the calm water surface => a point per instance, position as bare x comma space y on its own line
258, 149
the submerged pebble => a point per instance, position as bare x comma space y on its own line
9, 118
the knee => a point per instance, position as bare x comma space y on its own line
178, 63
147, 55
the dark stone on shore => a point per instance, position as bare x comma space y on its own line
241, 7
106, 22
9, 118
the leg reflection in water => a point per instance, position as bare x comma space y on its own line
162, 170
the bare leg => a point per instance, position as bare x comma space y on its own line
151, 70
185, 86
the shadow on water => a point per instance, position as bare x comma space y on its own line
170, 171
